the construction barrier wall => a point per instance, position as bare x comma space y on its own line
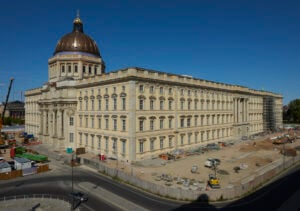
248, 184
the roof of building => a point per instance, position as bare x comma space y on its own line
4, 165
21, 160
77, 41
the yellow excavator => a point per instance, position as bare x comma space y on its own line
213, 181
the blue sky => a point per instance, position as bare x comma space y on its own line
254, 43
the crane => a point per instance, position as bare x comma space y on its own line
6, 101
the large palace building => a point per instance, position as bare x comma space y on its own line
135, 113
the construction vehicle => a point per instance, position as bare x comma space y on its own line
213, 181
2, 142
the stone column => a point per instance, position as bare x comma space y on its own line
46, 122
41, 122
61, 124
55, 123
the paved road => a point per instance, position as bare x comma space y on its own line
107, 194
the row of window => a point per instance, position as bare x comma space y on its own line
106, 104
96, 122
185, 139
186, 121
183, 92
102, 144
204, 105
69, 68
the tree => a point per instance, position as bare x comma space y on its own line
294, 111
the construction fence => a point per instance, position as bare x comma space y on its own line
253, 181
24, 172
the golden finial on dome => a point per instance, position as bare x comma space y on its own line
77, 19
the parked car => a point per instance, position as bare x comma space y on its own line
79, 196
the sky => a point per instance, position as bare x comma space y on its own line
252, 43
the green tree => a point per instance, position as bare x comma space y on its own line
294, 111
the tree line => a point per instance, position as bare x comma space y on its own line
291, 112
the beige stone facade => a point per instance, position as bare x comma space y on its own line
135, 113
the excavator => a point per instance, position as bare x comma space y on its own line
2, 142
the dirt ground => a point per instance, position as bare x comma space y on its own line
249, 155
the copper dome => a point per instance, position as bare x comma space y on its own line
77, 41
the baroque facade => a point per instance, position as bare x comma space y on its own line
134, 113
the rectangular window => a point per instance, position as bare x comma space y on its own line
95, 70
141, 88
161, 105
170, 123
80, 105
92, 144
69, 68
80, 121
93, 105
106, 124
124, 104
151, 124
182, 140
62, 68
71, 137
161, 90
106, 143
71, 122
170, 104
189, 105
141, 125
115, 103
86, 122
182, 122
80, 139
92, 122
161, 123
99, 143
196, 121
115, 145
123, 88
189, 138
161, 143
99, 123
141, 104
151, 89
90, 69
86, 105
83, 69
86, 140
196, 105
170, 142
152, 144
170, 91
188, 123
99, 104
151, 104
123, 146
141, 146
196, 137
124, 124
181, 105
75, 68
106, 104
115, 124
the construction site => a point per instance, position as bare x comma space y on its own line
222, 165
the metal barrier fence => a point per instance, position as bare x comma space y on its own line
247, 185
